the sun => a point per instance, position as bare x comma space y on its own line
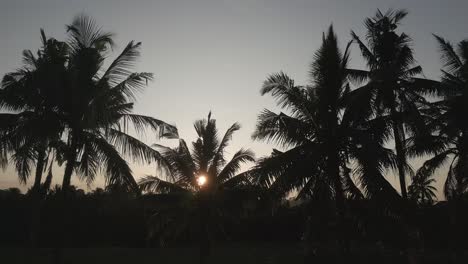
201, 180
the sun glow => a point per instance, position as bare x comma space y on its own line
201, 180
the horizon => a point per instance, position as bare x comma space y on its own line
201, 66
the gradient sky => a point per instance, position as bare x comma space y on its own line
214, 54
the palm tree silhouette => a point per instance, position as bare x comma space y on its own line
391, 92
447, 135
324, 137
202, 188
31, 126
97, 108
421, 191
449, 131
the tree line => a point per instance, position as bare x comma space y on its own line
342, 132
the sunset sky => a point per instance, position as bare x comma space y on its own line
214, 55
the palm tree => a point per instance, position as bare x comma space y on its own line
449, 125
447, 139
421, 191
31, 125
391, 92
97, 106
448, 131
201, 186
324, 138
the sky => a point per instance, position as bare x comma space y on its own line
213, 55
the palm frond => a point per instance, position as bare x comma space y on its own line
448, 55
156, 185
234, 165
132, 147
141, 122
133, 83
282, 129
219, 157
84, 33
287, 95
431, 165
116, 169
358, 76
365, 51
121, 67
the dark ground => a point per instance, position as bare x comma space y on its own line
235, 254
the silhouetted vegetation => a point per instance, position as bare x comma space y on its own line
325, 193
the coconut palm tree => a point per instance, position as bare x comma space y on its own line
201, 188
323, 138
31, 125
391, 92
422, 191
452, 129
97, 106
447, 139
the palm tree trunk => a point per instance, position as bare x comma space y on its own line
66, 183
36, 196
340, 204
39, 168
333, 168
68, 173
48, 180
398, 134
70, 164
412, 241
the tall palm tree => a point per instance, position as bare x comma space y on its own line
447, 139
450, 127
324, 138
97, 106
201, 186
391, 92
31, 125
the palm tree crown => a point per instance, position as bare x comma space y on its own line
207, 159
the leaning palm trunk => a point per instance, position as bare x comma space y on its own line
37, 197
68, 172
70, 164
39, 168
399, 136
